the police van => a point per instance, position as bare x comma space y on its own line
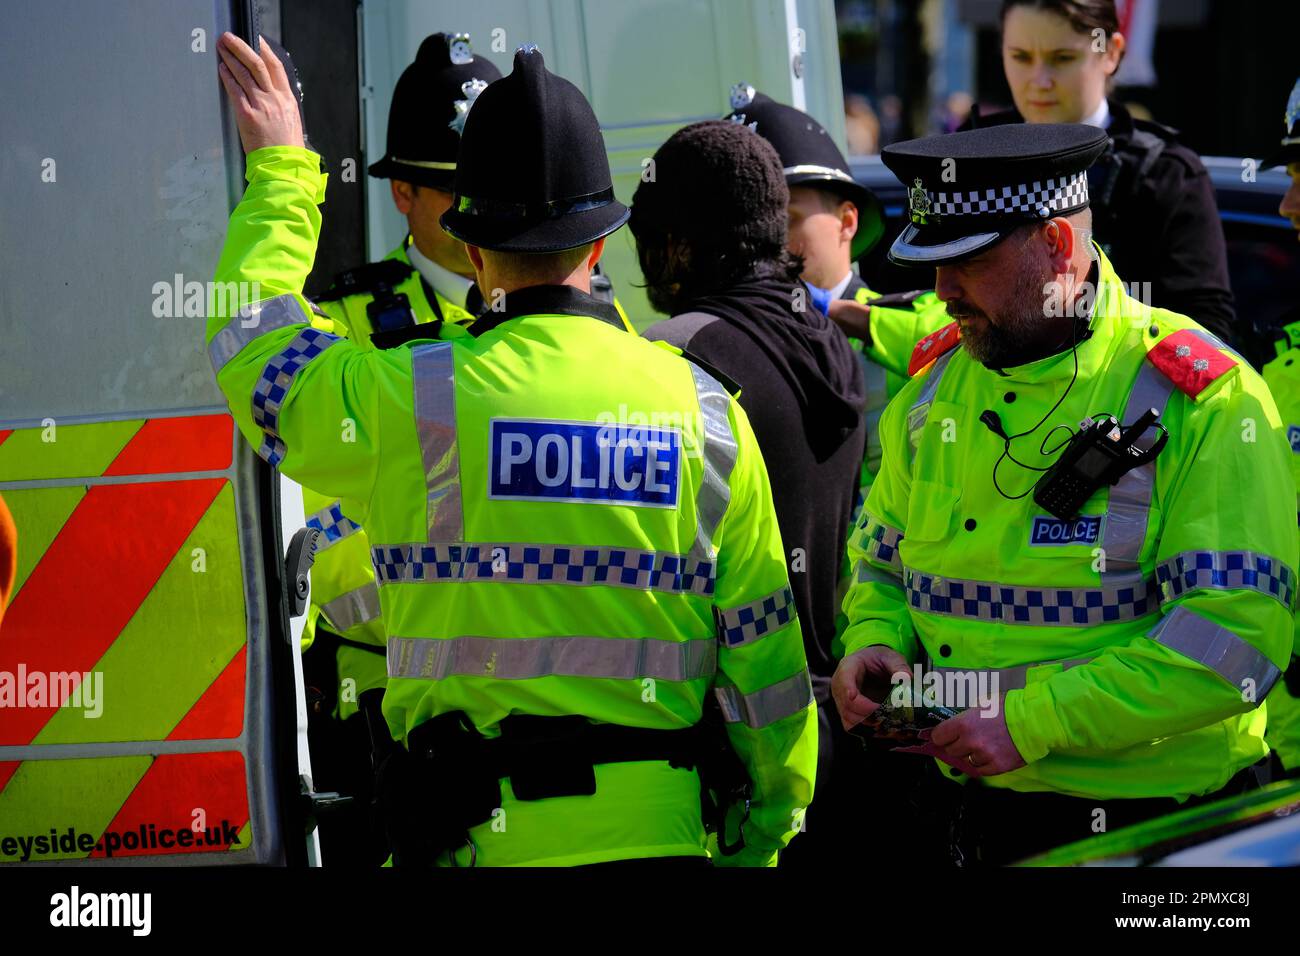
152, 705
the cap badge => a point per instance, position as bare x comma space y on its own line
918, 202
458, 49
742, 94
1292, 107
471, 88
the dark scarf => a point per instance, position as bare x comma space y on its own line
806, 349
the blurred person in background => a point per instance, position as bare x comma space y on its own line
1153, 203
861, 126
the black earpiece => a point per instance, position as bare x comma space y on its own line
994, 424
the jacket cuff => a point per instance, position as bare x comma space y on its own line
878, 632
1032, 722
291, 164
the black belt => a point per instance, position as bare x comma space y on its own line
554, 756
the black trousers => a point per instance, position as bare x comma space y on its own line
865, 806
995, 827
344, 755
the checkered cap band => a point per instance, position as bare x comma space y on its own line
1057, 195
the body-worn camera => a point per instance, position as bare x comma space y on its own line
1100, 453
389, 311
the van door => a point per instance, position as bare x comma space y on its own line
147, 705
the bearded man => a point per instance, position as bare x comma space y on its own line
1059, 533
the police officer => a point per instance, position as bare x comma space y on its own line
1153, 204
835, 221
1283, 377
564, 578
427, 278
1111, 642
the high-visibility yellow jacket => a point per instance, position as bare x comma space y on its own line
1283, 378
343, 590
1135, 643
564, 519
898, 322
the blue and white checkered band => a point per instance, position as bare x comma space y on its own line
1039, 199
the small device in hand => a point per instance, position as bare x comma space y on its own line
1101, 453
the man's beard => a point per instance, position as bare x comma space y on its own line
1019, 334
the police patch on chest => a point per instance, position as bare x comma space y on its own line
1082, 530
1293, 436
585, 462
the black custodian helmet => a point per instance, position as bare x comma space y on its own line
430, 104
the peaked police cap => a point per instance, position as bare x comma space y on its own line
969, 190
430, 103
809, 157
533, 175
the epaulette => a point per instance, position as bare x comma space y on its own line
932, 346
726, 381
366, 280
896, 300
1192, 359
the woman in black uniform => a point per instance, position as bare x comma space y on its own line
1153, 205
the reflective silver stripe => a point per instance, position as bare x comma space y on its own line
524, 658
877, 398
542, 564
767, 705
1217, 648
920, 410
435, 422
719, 458
1209, 338
1129, 504
1123, 598
864, 573
1008, 678
332, 524
748, 622
258, 319
880, 542
1225, 571
355, 607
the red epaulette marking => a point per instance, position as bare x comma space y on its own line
932, 346
1189, 361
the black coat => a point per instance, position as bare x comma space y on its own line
802, 388
1155, 217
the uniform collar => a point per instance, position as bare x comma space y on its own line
450, 285
548, 300
837, 290
1100, 117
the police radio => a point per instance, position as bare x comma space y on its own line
389, 310
1100, 453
